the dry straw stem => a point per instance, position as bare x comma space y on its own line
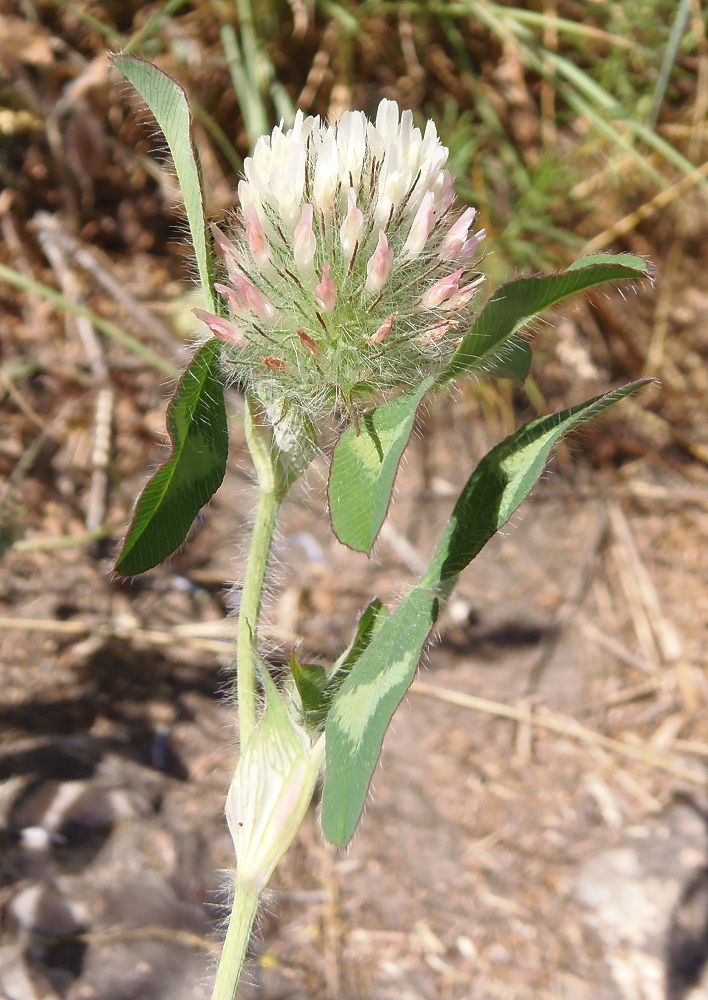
564, 726
620, 652
183, 939
57, 251
97, 499
111, 330
659, 633
101, 270
209, 637
673, 496
660, 201
624, 779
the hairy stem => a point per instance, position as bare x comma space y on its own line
243, 914
273, 484
246, 898
269, 501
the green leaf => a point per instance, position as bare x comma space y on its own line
369, 696
638, 264
364, 466
196, 424
311, 683
362, 710
372, 616
318, 689
517, 302
513, 362
499, 484
167, 101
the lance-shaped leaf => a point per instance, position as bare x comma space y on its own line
196, 424
364, 466
369, 696
513, 362
362, 710
168, 103
517, 302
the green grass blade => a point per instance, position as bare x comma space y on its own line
97, 25
667, 63
579, 90
152, 24
593, 91
116, 333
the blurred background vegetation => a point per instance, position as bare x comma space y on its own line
571, 126
562, 118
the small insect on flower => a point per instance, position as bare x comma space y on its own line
349, 230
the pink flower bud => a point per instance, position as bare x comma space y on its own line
442, 290
252, 299
435, 333
379, 264
469, 250
454, 239
421, 228
350, 230
255, 237
384, 330
465, 295
222, 328
326, 290
225, 249
304, 242
230, 296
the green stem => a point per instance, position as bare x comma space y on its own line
246, 898
269, 501
273, 484
243, 915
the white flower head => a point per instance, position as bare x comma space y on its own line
341, 227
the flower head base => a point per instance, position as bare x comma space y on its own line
343, 228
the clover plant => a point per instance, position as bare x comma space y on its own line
344, 292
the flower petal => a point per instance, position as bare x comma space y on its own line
379, 264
